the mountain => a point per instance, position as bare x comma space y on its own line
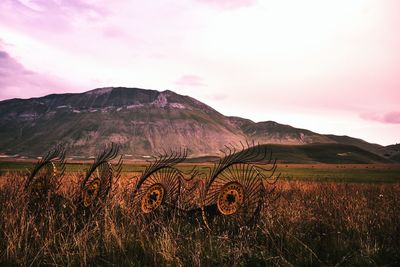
142, 121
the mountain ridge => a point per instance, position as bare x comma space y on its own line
142, 121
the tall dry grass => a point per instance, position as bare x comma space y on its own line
311, 224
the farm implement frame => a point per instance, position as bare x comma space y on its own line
231, 193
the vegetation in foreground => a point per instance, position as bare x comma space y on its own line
311, 224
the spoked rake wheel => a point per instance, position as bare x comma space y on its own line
230, 198
42, 183
91, 192
158, 190
44, 180
96, 187
158, 187
233, 199
152, 198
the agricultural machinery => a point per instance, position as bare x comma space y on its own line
232, 191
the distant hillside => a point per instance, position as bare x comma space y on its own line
273, 132
324, 153
142, 121
392, 152
375, 148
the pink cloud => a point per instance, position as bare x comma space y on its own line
18, 82
228, 4
114, 32
190, 80
389, 117
218, 97
43, 15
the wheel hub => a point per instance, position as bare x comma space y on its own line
90, 192
230, 198
153, 198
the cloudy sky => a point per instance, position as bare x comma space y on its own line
328, 66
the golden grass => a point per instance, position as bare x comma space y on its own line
311, 224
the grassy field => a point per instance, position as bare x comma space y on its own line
354, 173
364, 173
323, 223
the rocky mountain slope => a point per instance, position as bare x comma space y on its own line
142, 121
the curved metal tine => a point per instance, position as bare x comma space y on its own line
61, 164
109, 153
188, 176
273, 166
117, 169
164, 160
267, 179
169, 159
232, 156
37, 166
57, 153
273, 170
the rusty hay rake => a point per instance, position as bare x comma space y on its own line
232, 192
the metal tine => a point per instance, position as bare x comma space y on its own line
274, 165
62, 161
193, 173
59, 158
108, 153
117, 167
117, 170
243, 147
55, 154
162, 161
267, 179
62, 169
250, 154
273, 169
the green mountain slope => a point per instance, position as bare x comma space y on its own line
392, 152
324, 153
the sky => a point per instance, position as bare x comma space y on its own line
332, 67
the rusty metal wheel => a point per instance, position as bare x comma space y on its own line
159, 188
230, 198
234, 198
152, 198
91, 192
97, 185
159, 185
44, 180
